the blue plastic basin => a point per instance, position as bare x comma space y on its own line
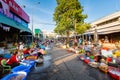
21, 68
9, 76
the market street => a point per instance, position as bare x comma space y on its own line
66, 66
59, 40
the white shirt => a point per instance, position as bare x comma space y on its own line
21, 47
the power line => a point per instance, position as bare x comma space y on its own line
47, 23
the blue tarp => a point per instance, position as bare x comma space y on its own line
25, 68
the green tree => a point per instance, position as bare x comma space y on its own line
81, 28
68, 17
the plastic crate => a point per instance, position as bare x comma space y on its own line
114, 76
86, 61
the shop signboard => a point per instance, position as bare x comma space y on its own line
11, 5
5, 8
37, 31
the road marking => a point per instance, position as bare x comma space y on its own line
62, 56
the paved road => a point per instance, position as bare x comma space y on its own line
71, 68
66, 66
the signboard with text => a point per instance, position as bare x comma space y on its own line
11, 5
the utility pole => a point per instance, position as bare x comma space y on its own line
95, 35
32, 23
75, 28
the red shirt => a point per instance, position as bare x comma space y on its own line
12, 60
26, 51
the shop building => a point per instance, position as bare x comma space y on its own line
108, 26
13, 21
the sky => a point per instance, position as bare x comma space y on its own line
41, 11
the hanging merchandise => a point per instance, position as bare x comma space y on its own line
5, 28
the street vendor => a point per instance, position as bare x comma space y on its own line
26, 51
40, 53
42, 46
87, 49
13, 61
21, 46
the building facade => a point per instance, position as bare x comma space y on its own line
13, 21
108, 26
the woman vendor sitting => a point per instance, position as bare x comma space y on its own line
13, 61
42, 46
40, 53
87, 50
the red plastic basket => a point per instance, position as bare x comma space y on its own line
116, 77
86, 61
113, 76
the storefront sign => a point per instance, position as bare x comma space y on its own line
11, 5
5, 28
5, 8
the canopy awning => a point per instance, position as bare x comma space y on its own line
12, 23
105, 30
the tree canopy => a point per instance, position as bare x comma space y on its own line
68, 17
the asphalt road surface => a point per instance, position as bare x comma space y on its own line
61, 65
